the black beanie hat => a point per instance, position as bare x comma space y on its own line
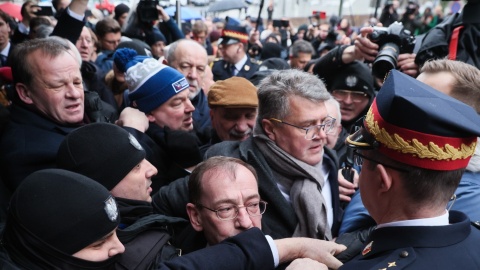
271, 50
66, 210
104, 152
152, 37
355, 77
120, 9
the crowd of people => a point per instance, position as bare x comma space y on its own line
127, 142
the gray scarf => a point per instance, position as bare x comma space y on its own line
305, 183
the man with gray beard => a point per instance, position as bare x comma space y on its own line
190, 58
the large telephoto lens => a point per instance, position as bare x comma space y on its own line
386, 60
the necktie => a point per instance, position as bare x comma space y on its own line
3, 60
232, 70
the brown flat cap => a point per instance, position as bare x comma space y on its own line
235, 92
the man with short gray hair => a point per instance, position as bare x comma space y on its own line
297, 175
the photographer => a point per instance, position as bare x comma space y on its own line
142, 22
411, 18
365, 49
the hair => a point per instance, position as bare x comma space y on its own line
275, 90
301, 46
217, 164
466, 87
199, 27
6, 17
43, 31
73, 48
425, 186
50, 47
95, 41
105, 26
336, 105
23, 10
37, 21
171, 53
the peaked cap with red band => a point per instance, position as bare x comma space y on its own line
415, 124
233, 34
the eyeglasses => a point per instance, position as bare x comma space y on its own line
356, 96
230, 212
358, 161
311, 132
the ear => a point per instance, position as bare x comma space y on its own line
23, 93
194, 216
150, 117
269, 129
385, 178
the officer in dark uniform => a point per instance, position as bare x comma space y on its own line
235, 62
414, 144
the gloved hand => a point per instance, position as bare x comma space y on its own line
355, 242
182, 147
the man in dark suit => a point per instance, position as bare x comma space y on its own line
413, 156
233, 45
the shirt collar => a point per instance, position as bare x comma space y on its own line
239, 64
441, 220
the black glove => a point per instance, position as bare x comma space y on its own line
355, 241
182, 147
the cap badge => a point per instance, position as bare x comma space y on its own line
351, 81
134, 142
111, 209
367, 249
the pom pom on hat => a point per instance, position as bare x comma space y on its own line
150, 82
125, 58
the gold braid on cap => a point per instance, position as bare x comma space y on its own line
235, 34
415, 147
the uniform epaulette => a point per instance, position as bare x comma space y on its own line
214, 61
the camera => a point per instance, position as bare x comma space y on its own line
147, 10
281, 23
392, 41
44, 9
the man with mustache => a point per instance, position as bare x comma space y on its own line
233, 110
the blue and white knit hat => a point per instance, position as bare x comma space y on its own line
150, 82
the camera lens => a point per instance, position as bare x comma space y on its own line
386, 60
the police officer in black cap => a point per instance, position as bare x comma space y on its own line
414, 144
233, 45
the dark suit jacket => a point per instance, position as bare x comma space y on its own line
30, 143
247, 250
280, 220
454, 246
221, 70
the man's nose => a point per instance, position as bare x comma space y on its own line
241, 125
243, 220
